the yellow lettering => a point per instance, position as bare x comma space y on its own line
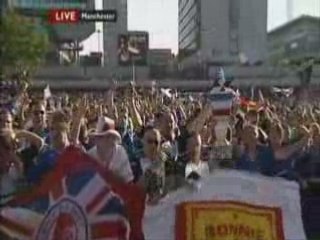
222, 230
210, 232
260, 234
244, 231
252, 233
233, 230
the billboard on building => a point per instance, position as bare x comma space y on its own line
133, 48
69, 51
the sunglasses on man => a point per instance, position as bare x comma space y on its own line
39, 112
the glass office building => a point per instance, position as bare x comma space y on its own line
219, 31
189, 26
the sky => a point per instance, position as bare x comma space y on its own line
160, 18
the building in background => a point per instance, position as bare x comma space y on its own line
161, 63
160, 56
94, 59
189, 27
296, 39
132, 55
112, 31
65, 39
125, 53
214, 32
133, 48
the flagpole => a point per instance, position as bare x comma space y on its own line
252, 93
133, 72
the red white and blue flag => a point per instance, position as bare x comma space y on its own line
222, 101
78, 200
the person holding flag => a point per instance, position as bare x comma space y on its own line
61, 136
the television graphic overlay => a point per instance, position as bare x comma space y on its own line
133, 49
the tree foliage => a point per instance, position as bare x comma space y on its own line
23, 46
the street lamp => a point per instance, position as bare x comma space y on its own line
100, 51
99, 40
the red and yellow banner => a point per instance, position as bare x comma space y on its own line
216, 220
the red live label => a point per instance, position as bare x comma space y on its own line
57, 16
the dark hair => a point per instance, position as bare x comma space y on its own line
5, 111
145, 129
194, 115
239, 122
194, 176
229, 134
4, 143
161, 114
265, 125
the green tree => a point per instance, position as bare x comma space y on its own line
22, 45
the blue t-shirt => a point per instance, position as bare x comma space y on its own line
46, 161
286, 168
308, 165
44, 134
264, 162
134, 147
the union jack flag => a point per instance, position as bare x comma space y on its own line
76, 202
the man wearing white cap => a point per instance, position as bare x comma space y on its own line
109, 151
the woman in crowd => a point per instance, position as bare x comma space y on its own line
255, 157
13, 163
152, 164
6, 119
11, 169
286, 155
308, 166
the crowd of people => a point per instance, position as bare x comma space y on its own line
159, 142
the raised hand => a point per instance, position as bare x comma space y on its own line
82, 107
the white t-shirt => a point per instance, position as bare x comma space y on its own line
119, 164
145, 164
202, 168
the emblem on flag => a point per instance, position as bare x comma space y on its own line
70, 205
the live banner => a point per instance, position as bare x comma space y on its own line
78, 200
229, 205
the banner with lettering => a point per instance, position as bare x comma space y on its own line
78, 200
229, 205
226, 220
